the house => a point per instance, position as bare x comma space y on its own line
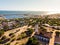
47, 25
57, 40
55, 27
1, 26
4, 23
57, 37
2, 17
44, 38
10, 24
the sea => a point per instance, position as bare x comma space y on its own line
19, 14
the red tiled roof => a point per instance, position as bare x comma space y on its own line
48, 35
57, 39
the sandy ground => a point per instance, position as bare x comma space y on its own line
24, 28
48, 29
20, 42
20, 30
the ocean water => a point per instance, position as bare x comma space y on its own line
19, 14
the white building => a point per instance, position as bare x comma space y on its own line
47, 25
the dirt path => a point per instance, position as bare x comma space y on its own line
36, 30
21, 29
20, 42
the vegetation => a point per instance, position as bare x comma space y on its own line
57, 34
11, 34
7, 44
57, 44
1, 32
32, 41
18, 22
30, 30
30, 21
42, 29
21, 36
4, 37
1, 40
13, 40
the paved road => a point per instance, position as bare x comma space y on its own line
36, 30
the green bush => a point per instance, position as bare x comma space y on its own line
4, 37
7, 44
13, 40
1, 32
11, 34
0, 40
30, 30
23, 35
32, 41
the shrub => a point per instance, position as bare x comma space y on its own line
11, 34
23, 35
13, 40
0, 40
4, 37
32, 41
1, 32
7, 44
30, 30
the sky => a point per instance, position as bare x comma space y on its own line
30, 5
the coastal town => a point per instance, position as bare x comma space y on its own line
30, 31
29, 22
